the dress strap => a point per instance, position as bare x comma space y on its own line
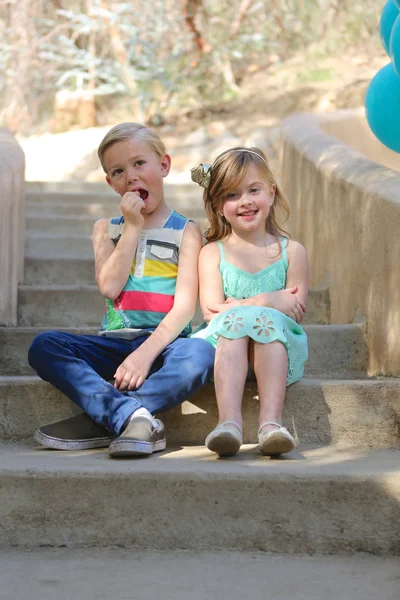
284, 255
221, 250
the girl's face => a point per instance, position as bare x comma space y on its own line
133, 166
247, 207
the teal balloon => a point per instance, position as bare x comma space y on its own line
389, 15
395, 45
382, 107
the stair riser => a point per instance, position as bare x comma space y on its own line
63, 226
177, 197
334, 351
171, 511
354, 413
96, 210
77, 308
60, 225
37, 246
39, 271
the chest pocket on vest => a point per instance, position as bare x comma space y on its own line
162, 252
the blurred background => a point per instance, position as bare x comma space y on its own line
205, 74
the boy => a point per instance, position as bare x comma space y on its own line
146, 268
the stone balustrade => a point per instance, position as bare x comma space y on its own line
344, 194
12, 225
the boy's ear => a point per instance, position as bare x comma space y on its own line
109, 183
165, 164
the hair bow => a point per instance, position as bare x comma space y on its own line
201, 175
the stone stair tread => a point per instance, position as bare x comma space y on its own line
58, 287
34, 235
309, 380
304, 462
331, 500
59, 305
319, 411
109, 572
335, 351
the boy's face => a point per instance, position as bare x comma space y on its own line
132, 166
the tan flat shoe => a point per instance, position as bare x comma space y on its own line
225, 439
275, 442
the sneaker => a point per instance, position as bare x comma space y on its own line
276, 441
77, 433
225, 439
141, 437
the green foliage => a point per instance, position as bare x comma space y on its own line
315, 75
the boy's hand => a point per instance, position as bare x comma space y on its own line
131, 207
132, 373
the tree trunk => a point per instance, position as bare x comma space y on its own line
20, 92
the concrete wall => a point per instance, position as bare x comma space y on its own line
346, 211
12, 225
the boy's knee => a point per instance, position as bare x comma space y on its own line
202, 354
39, 346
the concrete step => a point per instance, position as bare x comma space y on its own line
42, 245
108, 572
59, 271
335, 351
79, 224
60, 225
76, 306
96, 210
362, 412
67, 186
179, 196
315, 500
96, 187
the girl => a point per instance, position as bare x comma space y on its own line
253, 293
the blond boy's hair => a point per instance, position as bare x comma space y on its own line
125, 131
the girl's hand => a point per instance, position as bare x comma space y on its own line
233, 301
131, 207
229, 303
287, 302
132, 373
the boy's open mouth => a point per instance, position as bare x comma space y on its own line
144, 194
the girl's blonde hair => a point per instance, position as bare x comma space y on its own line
125, 131
227, 173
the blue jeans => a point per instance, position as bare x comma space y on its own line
80, 365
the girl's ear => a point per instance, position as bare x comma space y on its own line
272, 194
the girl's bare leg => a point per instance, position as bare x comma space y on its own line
270, 366
230, 372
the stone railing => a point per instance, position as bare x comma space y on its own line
12, 225
346, 210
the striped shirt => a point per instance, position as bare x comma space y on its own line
149, 293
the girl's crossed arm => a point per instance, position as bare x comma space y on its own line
292, 301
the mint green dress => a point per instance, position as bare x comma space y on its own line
260, 323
